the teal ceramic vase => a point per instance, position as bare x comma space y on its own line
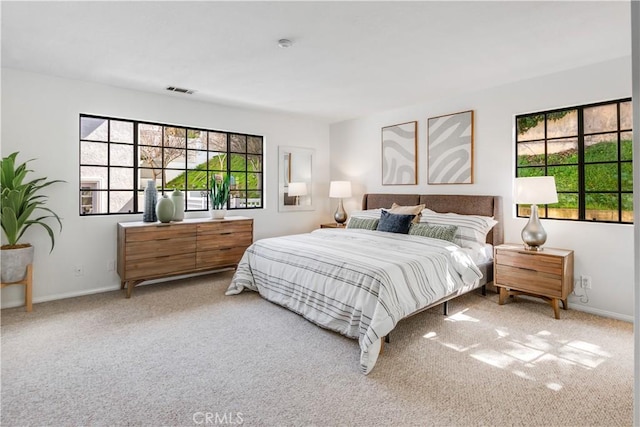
164, 209
177, 197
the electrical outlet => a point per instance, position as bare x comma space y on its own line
111, 265
78, 270
586, 282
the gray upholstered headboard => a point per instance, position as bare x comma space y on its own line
460, 204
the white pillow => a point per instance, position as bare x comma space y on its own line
480, 254
471, 228
371, 213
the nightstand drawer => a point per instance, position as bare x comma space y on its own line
530, 261
526, 280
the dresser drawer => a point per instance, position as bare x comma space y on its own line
148, 268
222, 241
158, 248
219, 258
159, 232
224, 228
224, 234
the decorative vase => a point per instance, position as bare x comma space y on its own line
15, 262
177, 197
217, 213
150, 200
164, 209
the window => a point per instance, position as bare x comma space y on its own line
119, 156
588, 149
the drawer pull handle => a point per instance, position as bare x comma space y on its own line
224, 234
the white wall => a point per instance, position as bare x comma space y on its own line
40, 119
603, 251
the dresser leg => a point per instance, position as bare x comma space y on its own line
503, 295
556, 308
565, 304
130, 285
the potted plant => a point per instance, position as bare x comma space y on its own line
218, 195
23, 205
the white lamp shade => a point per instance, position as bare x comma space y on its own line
535, 190
297, 189
340, 189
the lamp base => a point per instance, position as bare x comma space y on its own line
533, 234
533, 248
340, 216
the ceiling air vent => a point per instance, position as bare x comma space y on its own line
179, 90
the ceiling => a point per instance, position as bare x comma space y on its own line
348, 59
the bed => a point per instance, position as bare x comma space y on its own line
360, 282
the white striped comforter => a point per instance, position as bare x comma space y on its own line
357, 282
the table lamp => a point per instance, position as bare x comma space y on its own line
534, 191
339, 190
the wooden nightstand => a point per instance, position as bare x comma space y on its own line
333, 225
547, 274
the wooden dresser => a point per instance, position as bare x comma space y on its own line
547, 274
153, 250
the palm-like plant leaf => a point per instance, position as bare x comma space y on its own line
21, 200
219, 192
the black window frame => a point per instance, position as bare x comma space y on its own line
137, 207
581, 192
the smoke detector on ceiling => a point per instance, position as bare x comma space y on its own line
285, 43
179, 90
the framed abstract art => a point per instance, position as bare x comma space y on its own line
450, 149
399, 160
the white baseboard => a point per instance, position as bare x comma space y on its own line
598, 312
578, 307
20, 302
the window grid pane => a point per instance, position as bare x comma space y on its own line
118, 156
588, 149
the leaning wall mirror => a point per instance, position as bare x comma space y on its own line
295, 179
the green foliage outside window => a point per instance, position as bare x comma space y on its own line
599, 178
581, 150
529, 122
197, 178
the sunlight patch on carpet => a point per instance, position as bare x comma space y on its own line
461, 317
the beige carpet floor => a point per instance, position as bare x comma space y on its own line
182, 353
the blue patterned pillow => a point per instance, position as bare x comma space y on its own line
394, 223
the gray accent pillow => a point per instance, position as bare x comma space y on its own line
363, 223
442, 232
394, 223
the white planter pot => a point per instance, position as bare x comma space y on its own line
217, 213
14, 263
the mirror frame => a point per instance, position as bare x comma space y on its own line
284, 167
